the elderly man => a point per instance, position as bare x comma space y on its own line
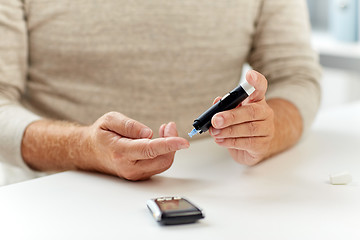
83, 84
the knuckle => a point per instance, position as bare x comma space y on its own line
233, 142
253, 111
253, 128
148, 151
108, 117
231, 117
129, 125
230, 131
169, 148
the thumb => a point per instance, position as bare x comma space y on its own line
259, 82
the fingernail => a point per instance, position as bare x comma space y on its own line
183, 145
169, 126
215, 131
216, 99
254, 75
145, 133
219, 121
219, 140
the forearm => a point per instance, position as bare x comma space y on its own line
114, 144
288, 125
54, 146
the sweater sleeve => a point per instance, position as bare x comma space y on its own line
282, 52
13, 71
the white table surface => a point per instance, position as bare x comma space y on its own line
286, 197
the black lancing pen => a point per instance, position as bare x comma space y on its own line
229, 101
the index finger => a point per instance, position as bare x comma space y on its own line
125, 126
151, 148
246, 113
259, 82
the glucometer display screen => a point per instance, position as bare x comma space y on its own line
175, 205
174, 210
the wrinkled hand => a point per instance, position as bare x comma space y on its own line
123, 147
247, 131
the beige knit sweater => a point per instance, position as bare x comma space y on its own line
154, 61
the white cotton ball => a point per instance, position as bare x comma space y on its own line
340, 178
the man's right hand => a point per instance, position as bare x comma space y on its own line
123, 147
114, 144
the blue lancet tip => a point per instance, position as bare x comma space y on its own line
193, 132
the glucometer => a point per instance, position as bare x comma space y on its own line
174, 210
229, 101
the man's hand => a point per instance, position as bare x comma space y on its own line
114, 144
123, 147
252, 131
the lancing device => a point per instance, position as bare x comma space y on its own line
229, 101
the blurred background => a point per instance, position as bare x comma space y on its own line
336, 37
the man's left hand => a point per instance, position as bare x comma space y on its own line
248, 130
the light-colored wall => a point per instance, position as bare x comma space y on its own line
319, 12
339, 87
